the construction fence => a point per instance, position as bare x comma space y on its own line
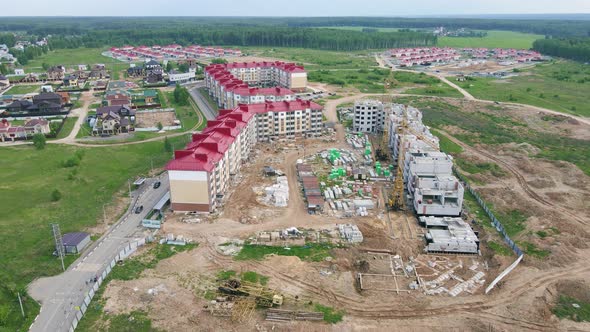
126, 252
495, 221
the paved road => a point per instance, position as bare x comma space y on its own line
60, 295
202, 103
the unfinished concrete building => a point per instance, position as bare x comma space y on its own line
369, 116
432, 189
449, 236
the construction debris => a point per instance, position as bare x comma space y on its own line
350, 233
278, 315
278, 194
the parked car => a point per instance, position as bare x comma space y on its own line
157, 184
139, 209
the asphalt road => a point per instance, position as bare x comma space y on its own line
62, 294
202, 103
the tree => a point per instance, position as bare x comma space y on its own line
39, 141
55, 195
169, 66
183, 67
160, 126
181, 95
45, 66
218, 60
167, 145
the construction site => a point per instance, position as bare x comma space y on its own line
366, 230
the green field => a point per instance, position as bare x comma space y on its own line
69, 57
422, 84
493, 128
30, 176
22, 89
311, 252
500, 39
318, 59
67, 127
562, 86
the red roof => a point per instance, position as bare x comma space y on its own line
208, 147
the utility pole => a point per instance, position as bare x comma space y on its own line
59, 244
22, 310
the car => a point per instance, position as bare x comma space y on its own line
138, 209
157, 184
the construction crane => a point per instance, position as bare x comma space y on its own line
397, 201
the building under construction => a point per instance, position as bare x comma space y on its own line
449, 235
429, 183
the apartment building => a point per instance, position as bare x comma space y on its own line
201, 174
227, 83
369, 116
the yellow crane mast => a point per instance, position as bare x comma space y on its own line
396, 200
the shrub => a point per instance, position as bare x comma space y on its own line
55, 195
39, 141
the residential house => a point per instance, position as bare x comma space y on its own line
135, 71
65, 97
118, 99
38, 126
19, 71
98, 71
56, 73
145, 97
46, 102
70, 81
113, 120
29, 78
4, 82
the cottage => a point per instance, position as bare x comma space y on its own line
19, 72
98, 71
70, 81
46, 102
56, 73
38, 126
112, 120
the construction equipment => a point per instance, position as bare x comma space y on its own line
382, 152
397, 200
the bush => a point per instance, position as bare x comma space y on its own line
39, 141
55, 195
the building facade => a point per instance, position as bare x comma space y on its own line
369, 116
226, 83
201, 174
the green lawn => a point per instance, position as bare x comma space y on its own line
562, 86
565, 309
70, 57
30, 176
492, 127
318, 59
67, 127
22, 89
365, 80
185, 113
501, 39
446, 145
311, 252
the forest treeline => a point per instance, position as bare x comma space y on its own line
569, 48
79, 26
325, 39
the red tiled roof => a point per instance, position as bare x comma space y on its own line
208, 147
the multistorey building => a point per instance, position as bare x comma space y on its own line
432, 188
200, 175
369, 116
253, 82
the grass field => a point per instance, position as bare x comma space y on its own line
30, 176
565, 309
422, 84
67, 127
318, 59
95, 318
22, 89
67, 57
311, 252
499, 129
501, 39
563, 86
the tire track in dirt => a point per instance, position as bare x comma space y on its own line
520, 179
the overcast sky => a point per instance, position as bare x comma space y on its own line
287, 7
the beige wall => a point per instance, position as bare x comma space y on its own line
189, 187
298, 82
